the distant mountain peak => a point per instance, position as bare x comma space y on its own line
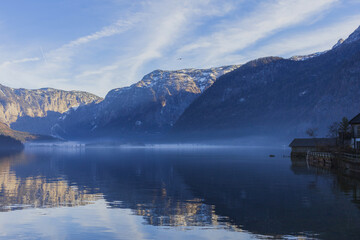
341, 40
354, 36
203, 78
160, 79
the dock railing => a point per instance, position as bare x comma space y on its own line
350, 156
321, 154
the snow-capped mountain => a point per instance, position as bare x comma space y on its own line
306, 57
152, 105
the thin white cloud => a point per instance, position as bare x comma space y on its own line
266, 20
167, 29
17, 61
55, 70
108, 31
165, 24
65, 52
307, 42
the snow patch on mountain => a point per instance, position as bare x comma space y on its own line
306, 57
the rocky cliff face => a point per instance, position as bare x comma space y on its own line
150, 106
275, 96
17, 103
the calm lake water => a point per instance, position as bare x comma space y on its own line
195, 193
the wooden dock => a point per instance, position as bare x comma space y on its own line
337, 160
320, 159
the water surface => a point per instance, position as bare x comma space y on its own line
192, 193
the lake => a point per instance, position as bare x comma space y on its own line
172, 193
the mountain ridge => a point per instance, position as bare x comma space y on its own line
15, 103
149, 106
280, 95
28, 110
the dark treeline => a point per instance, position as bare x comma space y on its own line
8, 143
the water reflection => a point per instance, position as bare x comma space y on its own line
36, 190
344, 181
227, 189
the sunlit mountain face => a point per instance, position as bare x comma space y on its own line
229, 191
21, 105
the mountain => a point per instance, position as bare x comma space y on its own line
150, 106
5, 130
279, 97
22, 108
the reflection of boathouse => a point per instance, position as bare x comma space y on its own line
346, 182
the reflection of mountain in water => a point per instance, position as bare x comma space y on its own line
191, 213
241, 191
151, 191
147, 183
36, 191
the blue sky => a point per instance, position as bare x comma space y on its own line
98, 45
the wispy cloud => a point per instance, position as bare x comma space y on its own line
108, 31
269, 18
163, 27
308, 41
165, 30
64, 52
17, 61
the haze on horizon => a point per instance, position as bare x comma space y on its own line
98, 45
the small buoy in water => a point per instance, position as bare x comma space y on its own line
271, 155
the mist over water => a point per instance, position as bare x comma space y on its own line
168, 192
246, 142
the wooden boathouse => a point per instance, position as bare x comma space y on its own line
301, 146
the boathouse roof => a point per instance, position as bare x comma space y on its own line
313, 142
355, 120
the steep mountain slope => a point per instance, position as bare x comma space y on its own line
280, 96
149, 106
19, 107
5, 130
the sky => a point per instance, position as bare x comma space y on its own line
99, 45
